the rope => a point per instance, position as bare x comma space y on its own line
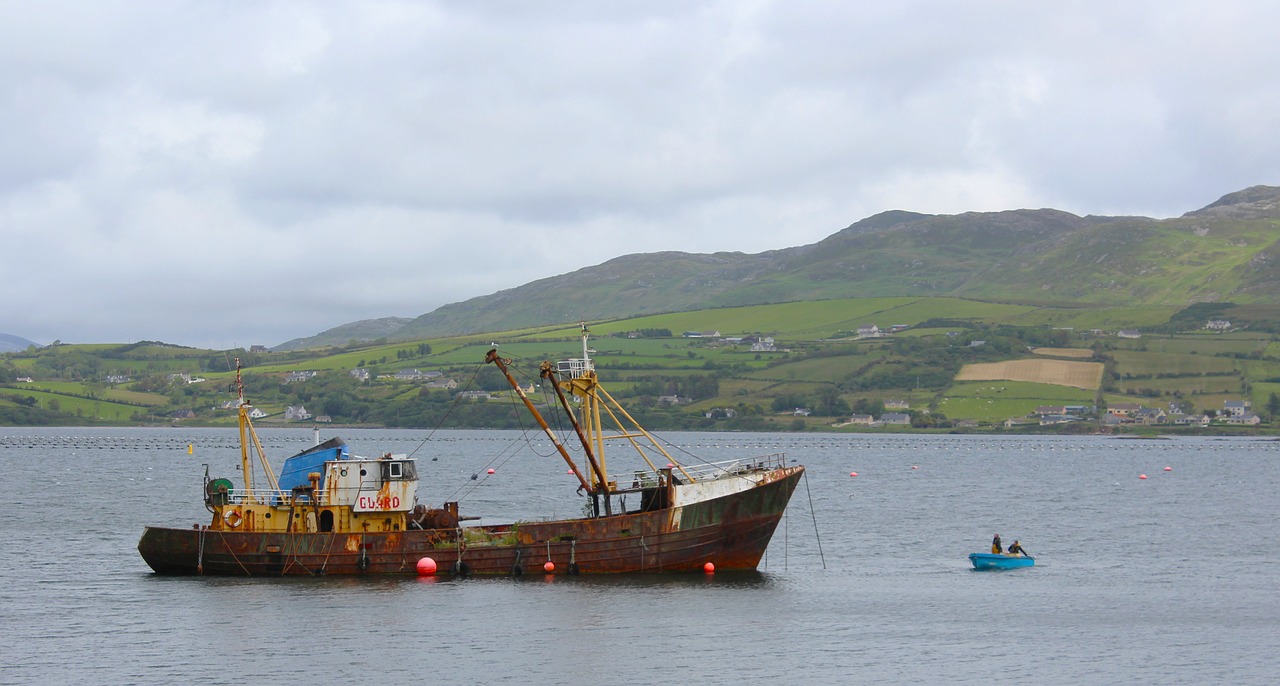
233, 554
815, 519
328, 549
200, 553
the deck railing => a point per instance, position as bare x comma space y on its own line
707, 472
269, 496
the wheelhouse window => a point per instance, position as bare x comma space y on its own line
398, 471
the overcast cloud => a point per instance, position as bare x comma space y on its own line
233, 173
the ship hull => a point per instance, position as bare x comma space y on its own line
731, 532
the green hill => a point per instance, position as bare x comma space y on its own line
1225, 251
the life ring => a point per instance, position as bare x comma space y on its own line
232, 519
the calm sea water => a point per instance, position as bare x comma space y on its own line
1169, 580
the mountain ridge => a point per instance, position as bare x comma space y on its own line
10, 343
1226, 249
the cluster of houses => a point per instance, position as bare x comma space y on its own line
292, 413
1234, 412
898, 416
759, 344
873, 331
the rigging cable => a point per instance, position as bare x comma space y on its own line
815, 519
452, 406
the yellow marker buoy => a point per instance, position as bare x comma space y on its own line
191, 448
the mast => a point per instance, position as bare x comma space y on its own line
492, 356
597, 477
596, 403
247, 432
242, 409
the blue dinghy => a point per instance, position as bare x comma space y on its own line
993, 561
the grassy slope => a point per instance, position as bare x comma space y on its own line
1202, 368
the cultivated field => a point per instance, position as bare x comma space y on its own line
1064, 352
1087, 375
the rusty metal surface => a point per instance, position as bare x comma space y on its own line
731, 532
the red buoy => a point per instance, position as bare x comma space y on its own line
708, 568
549, 567
570, 472
426, 567
853, 473
490, 471
1168, 469
1142, 476
914, 466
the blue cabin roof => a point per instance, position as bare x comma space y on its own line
296, 468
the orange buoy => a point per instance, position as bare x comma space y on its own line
1142, 476
708, 568
490, 471
426, 567
549, 567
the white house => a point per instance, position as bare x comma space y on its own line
1236, 408
296, 413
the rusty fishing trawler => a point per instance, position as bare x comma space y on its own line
330, 512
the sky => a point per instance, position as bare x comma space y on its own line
227, 174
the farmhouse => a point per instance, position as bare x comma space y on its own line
1149, 416
1124, 409
862, 419
415, 375
295, 413
1128, 333
1236, 408
895, 418
1217, 325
